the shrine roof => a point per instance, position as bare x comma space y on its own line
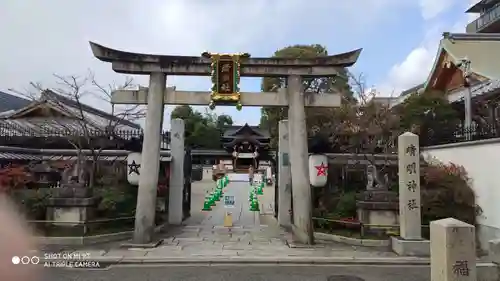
479, 49
251, 140
235, 131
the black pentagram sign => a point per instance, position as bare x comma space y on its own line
134, 168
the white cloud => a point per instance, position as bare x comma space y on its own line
415, 68
40, 38
432, 8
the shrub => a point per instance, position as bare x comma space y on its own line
345, 207
33, 202
116, 200
14, 177
14, 180
447, 192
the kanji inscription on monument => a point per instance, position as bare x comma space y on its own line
409, 186
461, 268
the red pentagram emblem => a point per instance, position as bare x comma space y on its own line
322, 169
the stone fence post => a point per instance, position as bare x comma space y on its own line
284, 180
176, 188
453, 250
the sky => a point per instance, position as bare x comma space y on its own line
40, 38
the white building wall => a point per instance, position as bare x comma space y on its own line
481, 159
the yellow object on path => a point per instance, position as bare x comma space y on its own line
228, 220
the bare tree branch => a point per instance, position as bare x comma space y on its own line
367, 128
83, 126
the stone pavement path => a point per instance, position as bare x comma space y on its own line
253, 235
208, 237
234, 177
243, 273
242, 216
211, 238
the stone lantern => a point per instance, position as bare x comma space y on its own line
45, 176
72, 204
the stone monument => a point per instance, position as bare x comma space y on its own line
410, 242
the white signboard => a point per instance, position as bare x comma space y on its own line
228, 201
257, 178
246, 155
269, 173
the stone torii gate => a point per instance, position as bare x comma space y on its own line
225, 70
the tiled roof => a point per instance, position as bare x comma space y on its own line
92, 110
233, 129
486, 88
412, 90
94, 118
10, 102
385, 101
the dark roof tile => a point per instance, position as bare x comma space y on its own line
11, 102
72, 103
233, 129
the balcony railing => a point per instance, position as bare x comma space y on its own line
457, 135
485, 19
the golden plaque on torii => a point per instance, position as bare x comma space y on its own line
225, 74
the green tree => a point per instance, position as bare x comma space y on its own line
223, 121
202, 130
428, 112
193, 120
270, 116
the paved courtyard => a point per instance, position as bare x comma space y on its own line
244, 273
254, 238
255, 248
253, 235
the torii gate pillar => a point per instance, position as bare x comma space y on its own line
150, 161
301, 190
